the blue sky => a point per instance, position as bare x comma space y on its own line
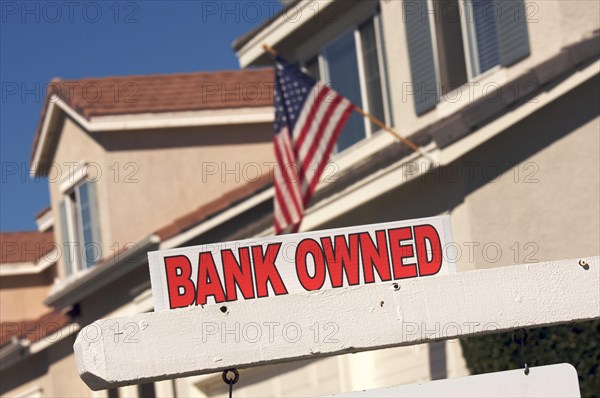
41, 40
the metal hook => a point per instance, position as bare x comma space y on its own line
230, 382
522, 340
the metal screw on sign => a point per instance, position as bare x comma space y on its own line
230, 382
522, 339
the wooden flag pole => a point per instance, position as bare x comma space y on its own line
374, 120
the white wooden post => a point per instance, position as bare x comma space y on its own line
199, 340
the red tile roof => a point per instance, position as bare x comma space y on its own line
166, 93
162, 93
33, 330
28, 246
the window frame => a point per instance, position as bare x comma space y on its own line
354, 26
76, 254
469, 43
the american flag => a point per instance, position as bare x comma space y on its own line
309, 117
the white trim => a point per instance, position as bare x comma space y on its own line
229, 116
52, 338
73, 177
468, 36
31, 392
434, 45
45, 221
383, 72
71, 289
280, 28
20, 349
364, 96
28, 268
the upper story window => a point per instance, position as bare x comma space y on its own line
354, 65
452, 42
79, 226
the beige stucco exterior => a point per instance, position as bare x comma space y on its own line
25, 288
147, 179
531, 193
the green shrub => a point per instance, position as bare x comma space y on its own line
577, 344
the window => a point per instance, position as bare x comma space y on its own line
460, 40
353, 64
79, 225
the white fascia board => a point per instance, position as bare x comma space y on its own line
11, 353
279, 29
81, 284
19, 349
144, 121
53, 338
29, 268
218, 117
45, 222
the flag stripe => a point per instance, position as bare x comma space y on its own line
321, 155
320, 132
286, 162
328, 149
309, 117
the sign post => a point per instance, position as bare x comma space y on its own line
200, 339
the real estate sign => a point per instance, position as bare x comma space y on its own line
280, 265
558, 380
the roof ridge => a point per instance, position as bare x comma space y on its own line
165, 75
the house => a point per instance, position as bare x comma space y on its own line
132, 163
502, 95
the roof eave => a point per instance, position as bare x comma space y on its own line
87, 282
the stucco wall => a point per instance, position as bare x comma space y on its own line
76, 147
166, 174
147, 179
31, 289
531, 193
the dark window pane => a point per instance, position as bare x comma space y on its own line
342, 73
451, 56
372, 75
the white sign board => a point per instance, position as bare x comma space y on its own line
280, 265
245, 333
543, 381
